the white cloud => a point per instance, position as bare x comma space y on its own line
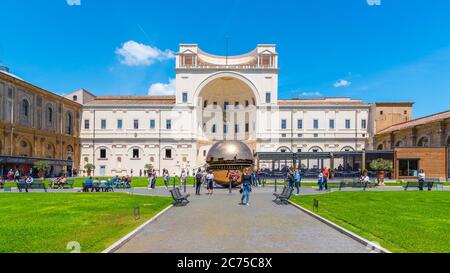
310, 94
73, 2
136, 54
342, 83
162, 89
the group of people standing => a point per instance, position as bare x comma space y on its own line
294, 179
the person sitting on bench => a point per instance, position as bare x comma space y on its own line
364, 179
28, 181
88, 185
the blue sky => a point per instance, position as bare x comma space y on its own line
398, 51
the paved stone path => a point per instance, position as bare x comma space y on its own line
218, 224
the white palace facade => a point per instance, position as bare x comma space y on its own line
217, 98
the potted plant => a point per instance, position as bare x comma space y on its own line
89, 168
332, 173
381, 166
41, 166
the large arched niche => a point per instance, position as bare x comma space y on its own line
226, 107
228, 82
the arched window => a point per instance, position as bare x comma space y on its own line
69, 149
423, 142
380, 147
448, 141
399, 144
69, 125
25, 109
348, 149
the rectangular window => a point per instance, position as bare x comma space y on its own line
236, 128
316, 124
268, 97
316, 135
347, 124
247, 103
300, 135
119, 124
168, 154
236, 105
214, 129
226, 105
185, 97
103, 154
135, 153
152, 124
86, 124
300, 124
283, 135
331, 124
136, 124
168, 124
364, 124
225, 129
103, 124
283, 124
247, 127
408, 167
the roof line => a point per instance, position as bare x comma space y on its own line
413, 120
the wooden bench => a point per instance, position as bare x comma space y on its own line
283, 198
353, 185
180, 199
33, 186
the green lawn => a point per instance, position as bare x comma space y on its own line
400, 221
135, 182
45, 223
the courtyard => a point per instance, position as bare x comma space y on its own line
218, 224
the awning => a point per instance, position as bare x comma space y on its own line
31, 160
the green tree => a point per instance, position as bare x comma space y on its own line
89, 168
41, 166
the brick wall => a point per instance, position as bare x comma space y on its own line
434, 161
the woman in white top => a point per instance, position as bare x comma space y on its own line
422, 177
210, 182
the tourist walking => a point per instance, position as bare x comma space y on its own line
234, 178
149, 179
198, 182
154, 178
246, 188
183, 178
298, 181
210, 182
10, 175
321, 181
166, 176
326, 177
258, 177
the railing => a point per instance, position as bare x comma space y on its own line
201, 66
